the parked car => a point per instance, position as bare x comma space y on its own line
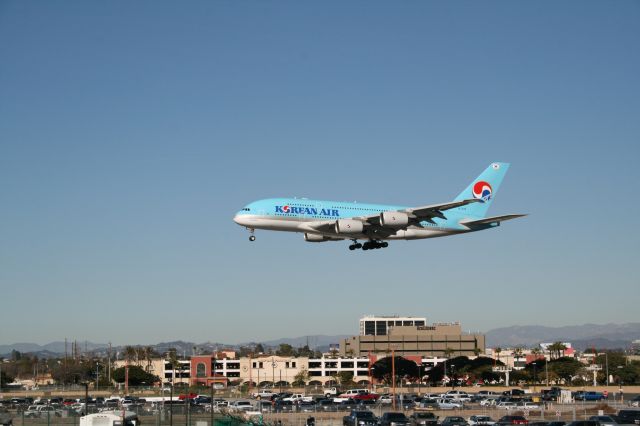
628, 417
360, 418
526, 405
423, 418
454, 421
481, 420
459, 395
326, 405
449, 404
512, 420
604, 420
588, 396
284, 405
393, 418
584, 423
241, 405
635, 402
263, 394
506, 405
428, 403
5, 418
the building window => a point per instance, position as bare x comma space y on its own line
201, 370
293, 364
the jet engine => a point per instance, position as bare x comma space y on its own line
349, 226
394, 219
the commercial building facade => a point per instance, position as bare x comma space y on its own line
411, 336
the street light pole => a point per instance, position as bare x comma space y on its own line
606, 360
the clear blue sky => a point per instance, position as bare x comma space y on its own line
131, 133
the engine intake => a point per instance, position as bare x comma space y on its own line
349, 226
394, 219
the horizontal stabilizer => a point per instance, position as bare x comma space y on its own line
489, 220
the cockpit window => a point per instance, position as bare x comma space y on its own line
246, 209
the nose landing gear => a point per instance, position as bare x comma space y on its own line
252, 237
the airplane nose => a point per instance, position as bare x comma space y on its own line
240, 220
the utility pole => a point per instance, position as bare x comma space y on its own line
109, 363
393, 376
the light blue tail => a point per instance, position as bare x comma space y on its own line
484, 188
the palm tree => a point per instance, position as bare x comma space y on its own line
130, 353
173, 360
497, 351
448, 352
557, 349
148, 355
517, 352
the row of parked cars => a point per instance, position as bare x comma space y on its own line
426, 418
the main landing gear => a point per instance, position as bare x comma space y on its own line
369, 245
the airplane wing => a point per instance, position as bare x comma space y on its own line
415, 215
489, 220
427, 213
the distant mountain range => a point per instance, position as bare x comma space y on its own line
53, 349
600, 336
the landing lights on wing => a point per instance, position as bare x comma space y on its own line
369, 245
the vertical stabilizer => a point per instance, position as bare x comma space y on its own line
484, 188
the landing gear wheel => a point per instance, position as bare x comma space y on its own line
358, 245
352, 247
385, 244
252, 238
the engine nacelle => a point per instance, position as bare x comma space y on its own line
315, 238
394, 219
349, 226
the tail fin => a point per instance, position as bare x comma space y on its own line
484, 187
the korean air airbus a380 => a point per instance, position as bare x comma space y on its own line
334, 220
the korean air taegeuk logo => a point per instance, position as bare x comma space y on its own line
482, 190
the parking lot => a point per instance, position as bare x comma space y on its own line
222, 411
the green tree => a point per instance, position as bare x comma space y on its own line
5, 379
448, 352
382, 369
301, 378
259, 349
565, 368
284, 350
344, 378
137, 376
304, 352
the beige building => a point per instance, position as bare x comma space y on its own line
436, 340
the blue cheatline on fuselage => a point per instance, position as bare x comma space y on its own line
316, 218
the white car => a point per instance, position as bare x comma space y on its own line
449, 404
240, 405
385, 399
528, 406
489, 402
481, 420
504, 405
